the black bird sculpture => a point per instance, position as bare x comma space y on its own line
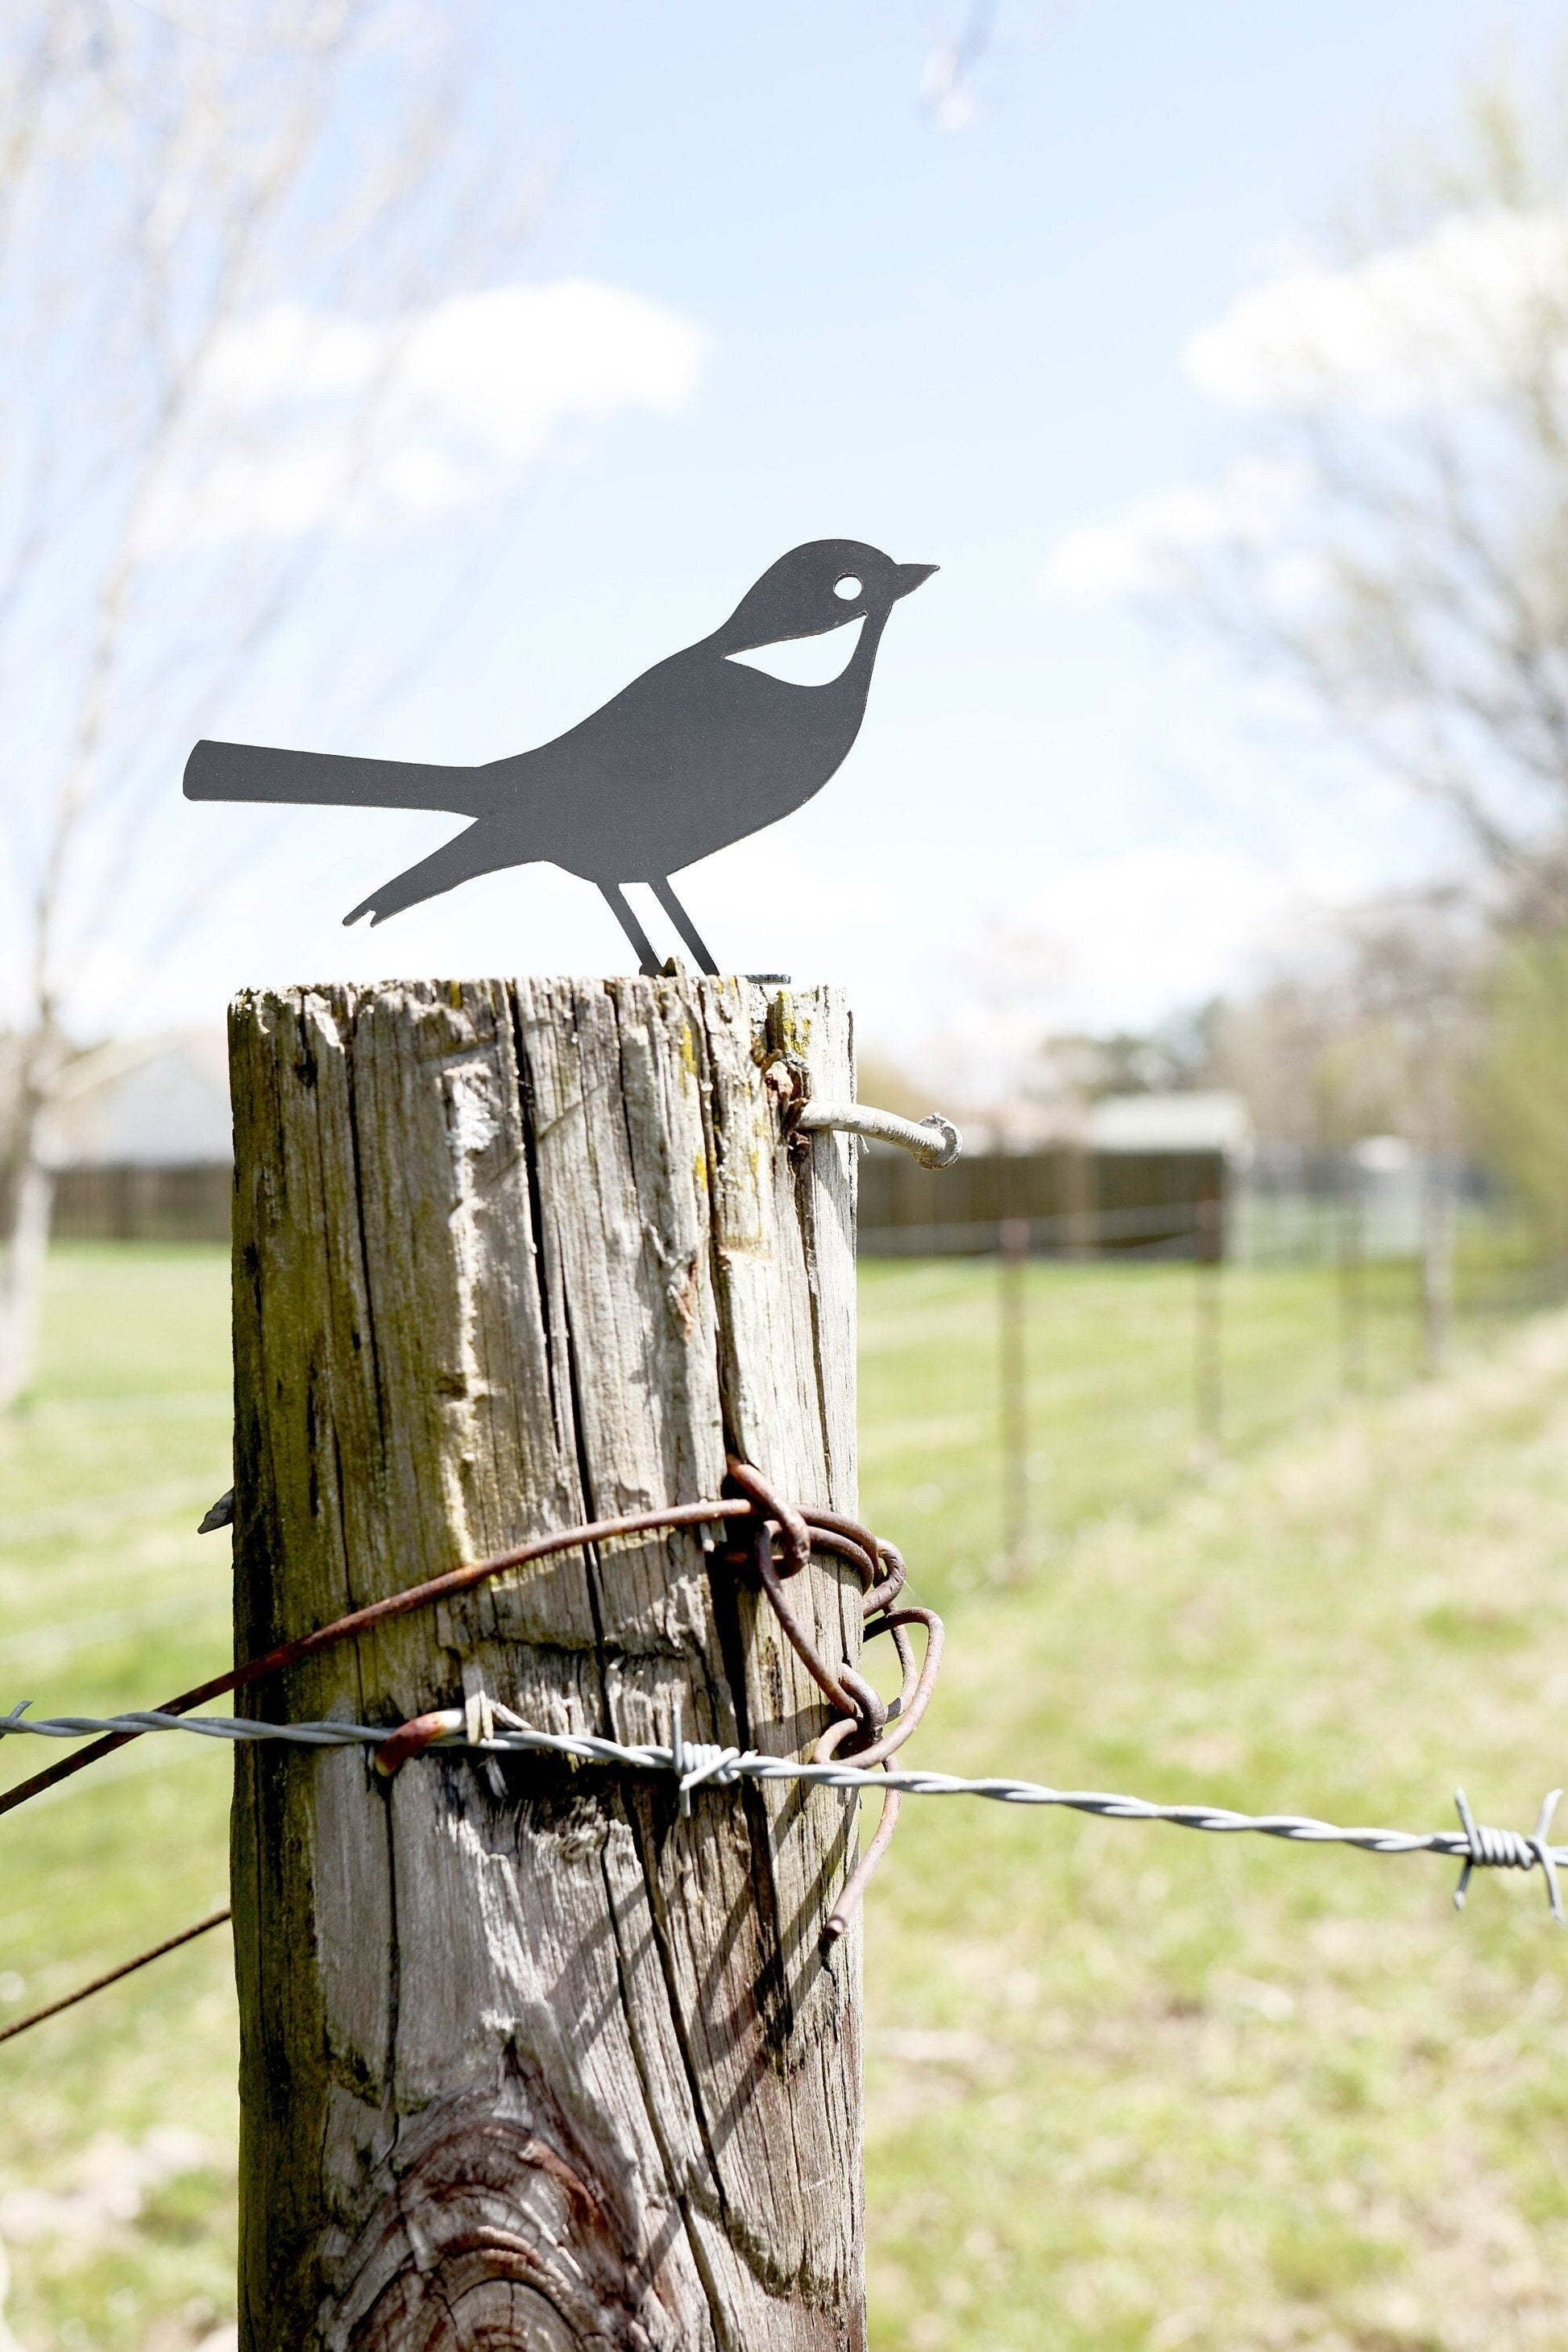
697, 752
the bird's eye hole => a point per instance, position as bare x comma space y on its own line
848, 587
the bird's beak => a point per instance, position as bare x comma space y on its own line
907, 576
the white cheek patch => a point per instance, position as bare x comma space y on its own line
806, 661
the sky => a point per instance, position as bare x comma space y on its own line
772, 293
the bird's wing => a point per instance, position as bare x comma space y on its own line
252, 771
695, 753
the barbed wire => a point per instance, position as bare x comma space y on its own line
865, 1727
484, 1726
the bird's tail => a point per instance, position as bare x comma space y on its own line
477, 851
252, 772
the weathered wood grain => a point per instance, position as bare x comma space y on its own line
528, 2060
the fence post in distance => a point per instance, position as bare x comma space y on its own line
1012, 1268
1437, 1263
1208, 1359
1351, 1273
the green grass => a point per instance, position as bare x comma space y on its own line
109, 1600
1114, 1419
1133, 2087
1126, 2087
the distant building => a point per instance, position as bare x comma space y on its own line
1390, 1180
1174, 1122
146, 1102
141, 1142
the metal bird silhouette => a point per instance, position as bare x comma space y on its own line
697, 752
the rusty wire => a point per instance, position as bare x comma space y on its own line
866, 1731
112, 1976
830, 1532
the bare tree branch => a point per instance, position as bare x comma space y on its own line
165, 176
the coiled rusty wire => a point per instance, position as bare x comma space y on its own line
867, 1731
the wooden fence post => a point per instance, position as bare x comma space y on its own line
1013, 1384
1350, 1253
528, 2059
1436, 1269
1208, 1352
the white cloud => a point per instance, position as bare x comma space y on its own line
944, 91
1451, 320
1128, 556
1441, 320
309, 419
1112, 942
1164, 926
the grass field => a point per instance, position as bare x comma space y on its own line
1127, 2087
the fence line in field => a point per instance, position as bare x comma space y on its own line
1184, 1231
1194, 1232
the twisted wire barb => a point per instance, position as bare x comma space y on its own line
1486, 1849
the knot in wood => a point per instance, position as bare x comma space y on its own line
497, 2228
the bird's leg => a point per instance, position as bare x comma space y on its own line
616, 899
685, 925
